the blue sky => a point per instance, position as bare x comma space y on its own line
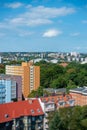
43, 25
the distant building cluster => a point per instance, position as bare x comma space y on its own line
53, 57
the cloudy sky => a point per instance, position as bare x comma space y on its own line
43, 25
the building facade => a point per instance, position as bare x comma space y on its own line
79, 95
7, 91
18, 81
22, 115
30, 76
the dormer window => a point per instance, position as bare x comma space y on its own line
6, 115
38, 110
71, 102
61, 103
68, 97
32, 111
52, 100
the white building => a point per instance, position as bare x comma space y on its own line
0, 59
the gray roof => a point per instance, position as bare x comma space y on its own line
82, 90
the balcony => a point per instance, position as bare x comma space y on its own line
38, 121
46, 115
40, 127
46, 120
49, 107
46, 126
71, 102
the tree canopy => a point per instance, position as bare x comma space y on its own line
56, 76
69, 119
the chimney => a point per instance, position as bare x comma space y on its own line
30, 101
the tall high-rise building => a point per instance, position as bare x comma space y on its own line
30, 76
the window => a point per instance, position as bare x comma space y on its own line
40, 117
32, 111
38, 110
33, 118
6, 115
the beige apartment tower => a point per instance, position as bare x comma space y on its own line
30, 76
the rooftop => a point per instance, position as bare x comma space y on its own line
56, 99
81, 90
9, 111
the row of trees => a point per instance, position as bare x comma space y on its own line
56, 76
69, 119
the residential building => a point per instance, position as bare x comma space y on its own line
21, 115
54, 61
79, 95
18, 81
52, 103
69, 59
7, 90
0, 59
30, 76
74, 54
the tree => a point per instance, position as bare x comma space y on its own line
84, 124
56, 123
36, 93
40, 91
70, 85
2, 68
60, 82
32, 94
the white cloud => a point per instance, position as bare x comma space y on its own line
75, 34
52, 33
18, 31
34, 16
50, 12
14, 5
84, 21
29, 22
40, 15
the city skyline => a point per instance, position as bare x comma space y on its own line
43, 25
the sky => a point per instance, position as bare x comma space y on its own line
43, 25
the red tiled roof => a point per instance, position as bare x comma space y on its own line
9, 111
56, 98
64, 64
